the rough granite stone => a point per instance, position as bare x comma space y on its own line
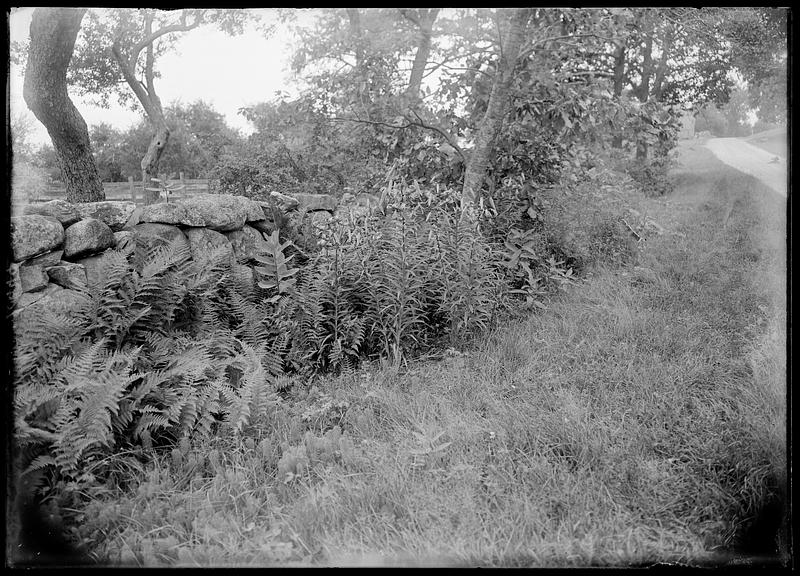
53, 299
33, 235
95, 268
69, 275
114, 213
88, 236
220, 212
32, 278
148, 236
61, 210
170, 213
45, 260
247, 243
203, 240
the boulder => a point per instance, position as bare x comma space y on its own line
170, 213
53, 299
202, 241
85, 237
314, 202
114, 213
61, 210
32, 235
220, 212
148, 236
284, 202
28, 298
95, 268
32, 278
247, 243
69, 275
45, 260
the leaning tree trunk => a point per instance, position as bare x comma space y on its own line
152, 157
52, 40
493, 118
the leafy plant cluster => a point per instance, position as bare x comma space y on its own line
389, 285
164, 347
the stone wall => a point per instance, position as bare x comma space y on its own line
59, 248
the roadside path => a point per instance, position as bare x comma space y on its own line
751, 160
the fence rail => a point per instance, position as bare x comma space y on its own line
130, 190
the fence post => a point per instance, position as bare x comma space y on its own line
183, 185
132, 189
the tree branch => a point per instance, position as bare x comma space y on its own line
153, 36
408, 124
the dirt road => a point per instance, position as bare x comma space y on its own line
751, 160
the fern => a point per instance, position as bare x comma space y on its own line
275, 272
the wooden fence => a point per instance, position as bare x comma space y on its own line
130, 190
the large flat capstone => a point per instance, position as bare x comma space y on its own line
114, 213
61, 210
170, 213
221, 212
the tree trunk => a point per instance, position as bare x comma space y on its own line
153, 156
355, 29
496, 109
619, 84
661, 69
425, 23
52, 40
643, 93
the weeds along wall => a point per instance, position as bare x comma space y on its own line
142, 326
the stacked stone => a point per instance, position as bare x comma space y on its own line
54, 246
60, 249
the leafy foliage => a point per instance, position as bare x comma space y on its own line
275, 271
130, 364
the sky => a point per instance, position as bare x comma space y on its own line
226, 72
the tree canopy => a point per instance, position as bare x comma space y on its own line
474, 100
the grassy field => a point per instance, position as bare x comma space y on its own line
640, 419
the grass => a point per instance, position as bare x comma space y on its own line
638, 420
